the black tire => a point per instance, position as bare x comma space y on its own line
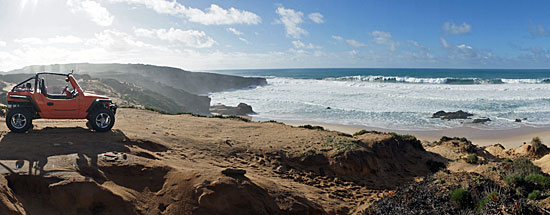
19, 120
97, 123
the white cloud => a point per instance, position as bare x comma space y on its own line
116, 41
191, 38
419, 53
316, 17
539, 30
350, 42
336, 37
3, 44
353, 53
29, 41
292, 19
355, 43
452, 28
299, 45
94, 10
243, 39
444, 42
234, 31
69, 39
214, 15
384, 38
464, 46
466, 52
108, 46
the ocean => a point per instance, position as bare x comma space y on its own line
400, 99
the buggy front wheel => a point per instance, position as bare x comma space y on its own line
102, 120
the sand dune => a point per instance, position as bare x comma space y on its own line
178, 164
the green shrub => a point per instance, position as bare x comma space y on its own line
536, 140
435, 166
513, 180
439, 181
481, 204
365, 132
408, 138
231, 117
156, 110
508, 160
445, 139
312, 127
461, 197
540, 181
472, 158
538, 147
534, 195
491, 197
524, 167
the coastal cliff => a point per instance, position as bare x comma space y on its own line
167, 89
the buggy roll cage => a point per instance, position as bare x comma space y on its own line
36, 78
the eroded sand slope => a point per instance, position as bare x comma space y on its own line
172, 164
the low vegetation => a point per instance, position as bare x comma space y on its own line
461, 197
408, 139
472, 159
231, 117
192, 114
445, 139
526, 179
534, 195
312, 127
491, 197
365, 132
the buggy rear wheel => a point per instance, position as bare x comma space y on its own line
19, 120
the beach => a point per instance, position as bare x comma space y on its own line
509, 138
514, 103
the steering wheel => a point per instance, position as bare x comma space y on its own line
64, 90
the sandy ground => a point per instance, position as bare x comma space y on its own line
152, 163
509, 138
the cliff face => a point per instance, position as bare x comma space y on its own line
148, 75
165, 88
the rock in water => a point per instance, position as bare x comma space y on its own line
245, 109
452, 115
241, 110
518, 120
481, 120
439, 114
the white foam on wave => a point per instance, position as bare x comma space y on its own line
446, 80
393, 105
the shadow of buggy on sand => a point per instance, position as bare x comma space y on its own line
33, 150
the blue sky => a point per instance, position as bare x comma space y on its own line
233, 34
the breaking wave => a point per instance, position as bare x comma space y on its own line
447, 80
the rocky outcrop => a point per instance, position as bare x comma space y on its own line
240, 110
149, 75
166, 89
452, 115
481, 120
